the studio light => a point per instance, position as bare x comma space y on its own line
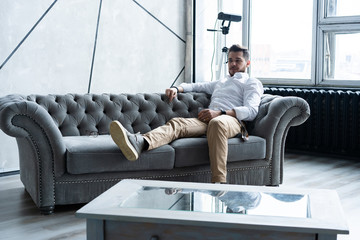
229, 17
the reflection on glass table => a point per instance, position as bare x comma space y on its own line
227, 202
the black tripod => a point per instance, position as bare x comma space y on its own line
221, 63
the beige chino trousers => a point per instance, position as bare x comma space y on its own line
218, 131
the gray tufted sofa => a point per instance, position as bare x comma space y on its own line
67, 156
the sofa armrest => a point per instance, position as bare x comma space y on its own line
34, 129
276, 115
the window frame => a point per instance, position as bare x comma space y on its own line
337, 29
336, 25
292, 81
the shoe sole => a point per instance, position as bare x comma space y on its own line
119, 136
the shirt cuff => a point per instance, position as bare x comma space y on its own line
242, 113
187, 87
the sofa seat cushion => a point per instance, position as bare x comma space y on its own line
87, 154
195, 151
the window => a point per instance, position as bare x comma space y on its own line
339, 35
341, 62
297, 42
281, 39
335, 8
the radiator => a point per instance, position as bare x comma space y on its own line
333, 126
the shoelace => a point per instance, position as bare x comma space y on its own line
137, 135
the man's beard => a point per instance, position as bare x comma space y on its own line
234, 70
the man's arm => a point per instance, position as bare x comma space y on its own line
252, 99
206, 87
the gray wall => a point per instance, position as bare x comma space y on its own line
140, 47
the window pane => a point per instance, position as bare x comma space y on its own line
208, 44
342, 8
342, 56
281, 38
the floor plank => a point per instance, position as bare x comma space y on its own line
20, 219
342, 175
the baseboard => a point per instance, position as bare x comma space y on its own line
4, 174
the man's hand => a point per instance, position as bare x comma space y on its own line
171, 93
206, 115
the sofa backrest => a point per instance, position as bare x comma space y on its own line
86, 114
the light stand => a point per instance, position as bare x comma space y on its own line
224, 55
224, 30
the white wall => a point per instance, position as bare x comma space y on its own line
134, 52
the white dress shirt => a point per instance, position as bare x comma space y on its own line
239, 92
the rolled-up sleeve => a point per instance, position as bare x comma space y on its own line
206, 87
187, 87
252, 98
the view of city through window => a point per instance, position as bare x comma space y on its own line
281, 41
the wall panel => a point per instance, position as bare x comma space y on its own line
47, 46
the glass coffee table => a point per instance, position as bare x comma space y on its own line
140, 209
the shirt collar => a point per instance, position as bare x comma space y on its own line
239, 75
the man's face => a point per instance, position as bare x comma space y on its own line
237, 63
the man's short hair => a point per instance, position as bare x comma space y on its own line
238, 48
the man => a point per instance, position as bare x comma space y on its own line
234, 99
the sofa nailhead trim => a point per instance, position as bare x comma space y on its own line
159, 176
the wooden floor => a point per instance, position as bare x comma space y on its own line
19, 218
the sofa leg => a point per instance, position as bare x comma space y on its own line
273, 185
47, 210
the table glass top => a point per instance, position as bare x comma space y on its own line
225, 202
